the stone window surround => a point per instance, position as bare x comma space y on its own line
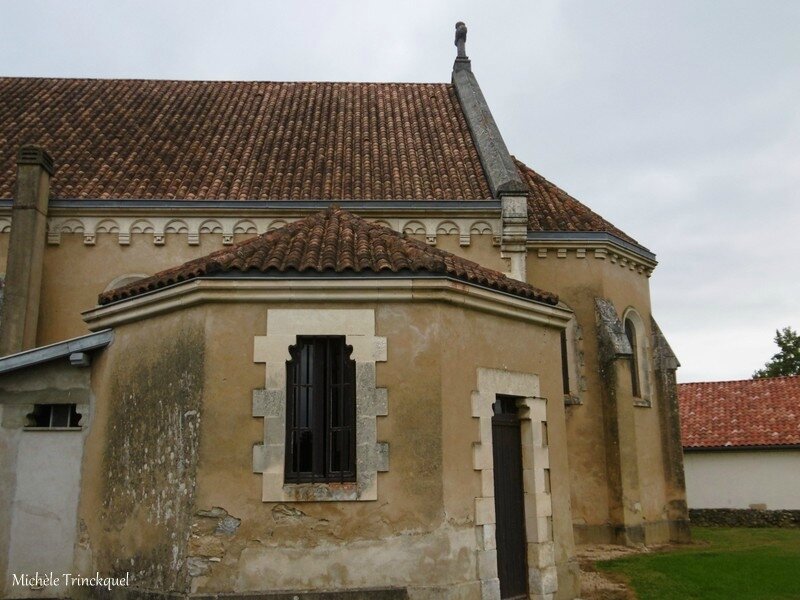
642, 352
372, 457
542, 574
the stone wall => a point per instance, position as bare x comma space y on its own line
743, 517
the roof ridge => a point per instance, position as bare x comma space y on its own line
240, 81
749, 380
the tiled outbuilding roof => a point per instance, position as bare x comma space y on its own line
552, 209
731, 414
332, 241
223, 140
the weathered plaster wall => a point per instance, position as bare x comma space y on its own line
5, 237
139, 473
578, 281
93, 267
425, 506
481, 249
506, 345
325, 544
764, 479
44, 523
40, 471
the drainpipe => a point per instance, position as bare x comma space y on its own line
23, 281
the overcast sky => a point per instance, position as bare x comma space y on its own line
677, 121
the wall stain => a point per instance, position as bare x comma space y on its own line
150, 459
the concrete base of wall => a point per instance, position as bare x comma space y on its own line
744, 517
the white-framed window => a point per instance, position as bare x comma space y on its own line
286, 329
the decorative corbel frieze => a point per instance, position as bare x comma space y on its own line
225, 229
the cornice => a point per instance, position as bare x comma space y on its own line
341, 289
597, 244
93, 206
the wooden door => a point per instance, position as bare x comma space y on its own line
512, 563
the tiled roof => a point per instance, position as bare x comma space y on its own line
216, 140
757, 412
332, 241
552, 209
223, 140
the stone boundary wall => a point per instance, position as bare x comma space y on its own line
744, 517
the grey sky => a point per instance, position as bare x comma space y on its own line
677, 121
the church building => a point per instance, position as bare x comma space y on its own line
311, 340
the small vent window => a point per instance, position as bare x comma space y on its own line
54, 416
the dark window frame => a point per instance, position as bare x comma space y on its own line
320, 411
565, 382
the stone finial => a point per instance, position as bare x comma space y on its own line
461, 39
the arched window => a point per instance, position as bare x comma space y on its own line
640, 372
630, 332
123, 280
321, 411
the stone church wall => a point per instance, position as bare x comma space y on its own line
580, 278
424, 522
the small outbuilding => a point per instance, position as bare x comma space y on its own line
741, 443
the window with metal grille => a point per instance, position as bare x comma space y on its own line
321, 411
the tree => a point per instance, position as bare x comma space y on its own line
785, 362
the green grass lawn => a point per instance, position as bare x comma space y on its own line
722, 564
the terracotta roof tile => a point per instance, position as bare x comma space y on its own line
222, 140
757, 412
332, 241
552, 209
